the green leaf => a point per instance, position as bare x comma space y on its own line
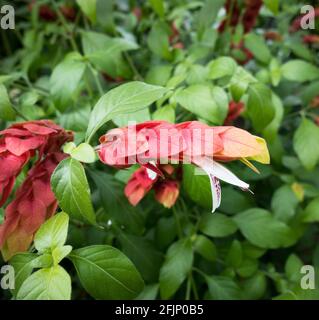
106, 273
208, 15
263, 230
259, 106
204, 101
306, 143
166, 113
46, 284
217, 225
221, 67
272, 5
236, 201
89, 8
284, 203
292, 268
197, 186
239, 83
23, 264
72, 190
105, 52
235, 255
256, 44
275, 72
300, 71
127, 98
59, 253
84, 153
149, 293
115, 203
254, 288
205, 247
222, 288
105, 15
158, 40
137, 117
247, 268
178, 262
311, 213
6, 111
158, 7
52, 233
271, 131
143, 254
65, 80
159, 75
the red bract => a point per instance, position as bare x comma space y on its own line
144, 180
154, 143
273, 35
33, 204
315, 102
251, 14
249, 17
20, 142
141, 144
234, 111
167, 192
311, 38
48, 14
139, 185
247, 54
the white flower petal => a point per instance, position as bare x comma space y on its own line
214, 168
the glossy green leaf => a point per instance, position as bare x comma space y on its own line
204, 101
6, 111
127, 98
106, 273
65, 80
84, 153
256, 44
306, 143
217, 225
52, 233
89, 8
46, 284
70, 186
300, 71
177, 264
259, 106
263, 230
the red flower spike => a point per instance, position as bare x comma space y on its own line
34, 203
20, 142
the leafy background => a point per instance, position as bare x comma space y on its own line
60, 62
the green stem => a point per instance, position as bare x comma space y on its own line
178, 225
66, 26
19, 113
6, 43
97, 80
203, 274
196, 296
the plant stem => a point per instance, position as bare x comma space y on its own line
178, 225
17, 111
66, 26
97, 80
196, 296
